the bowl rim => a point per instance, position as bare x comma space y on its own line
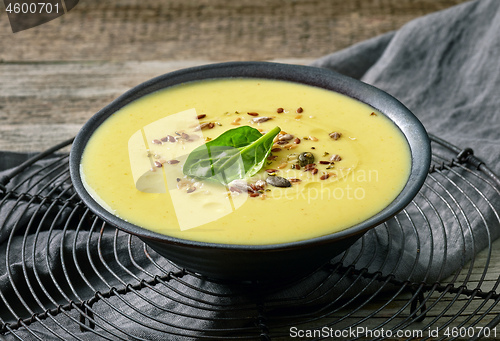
413, 130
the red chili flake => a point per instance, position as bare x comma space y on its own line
252, 113
271, 170
314, 171
297, 140
254, 194
324, 162
211, 125
272, 157
275, 149
373, 114
280, 110
156, 141
294, 180
309, 166
297, 167
325, 176
173, 162
201, 116
299, 110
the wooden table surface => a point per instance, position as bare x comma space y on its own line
54, 77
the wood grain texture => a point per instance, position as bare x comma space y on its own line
44, 103
209, 29
60, 73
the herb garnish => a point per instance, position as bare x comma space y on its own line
238, 153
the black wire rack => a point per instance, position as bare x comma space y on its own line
431, 272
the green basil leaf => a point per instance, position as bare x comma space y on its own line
236, 154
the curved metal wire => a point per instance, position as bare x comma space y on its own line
70, 276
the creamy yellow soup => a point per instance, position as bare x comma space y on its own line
133, 163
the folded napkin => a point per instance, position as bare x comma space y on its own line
444, 67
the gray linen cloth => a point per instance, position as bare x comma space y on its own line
445, 68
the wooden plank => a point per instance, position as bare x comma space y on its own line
209, 29
42, 104
70, 92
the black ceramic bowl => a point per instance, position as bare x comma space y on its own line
263, 262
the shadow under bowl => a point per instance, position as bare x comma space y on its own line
263, 263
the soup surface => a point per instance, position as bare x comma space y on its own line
334, 163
